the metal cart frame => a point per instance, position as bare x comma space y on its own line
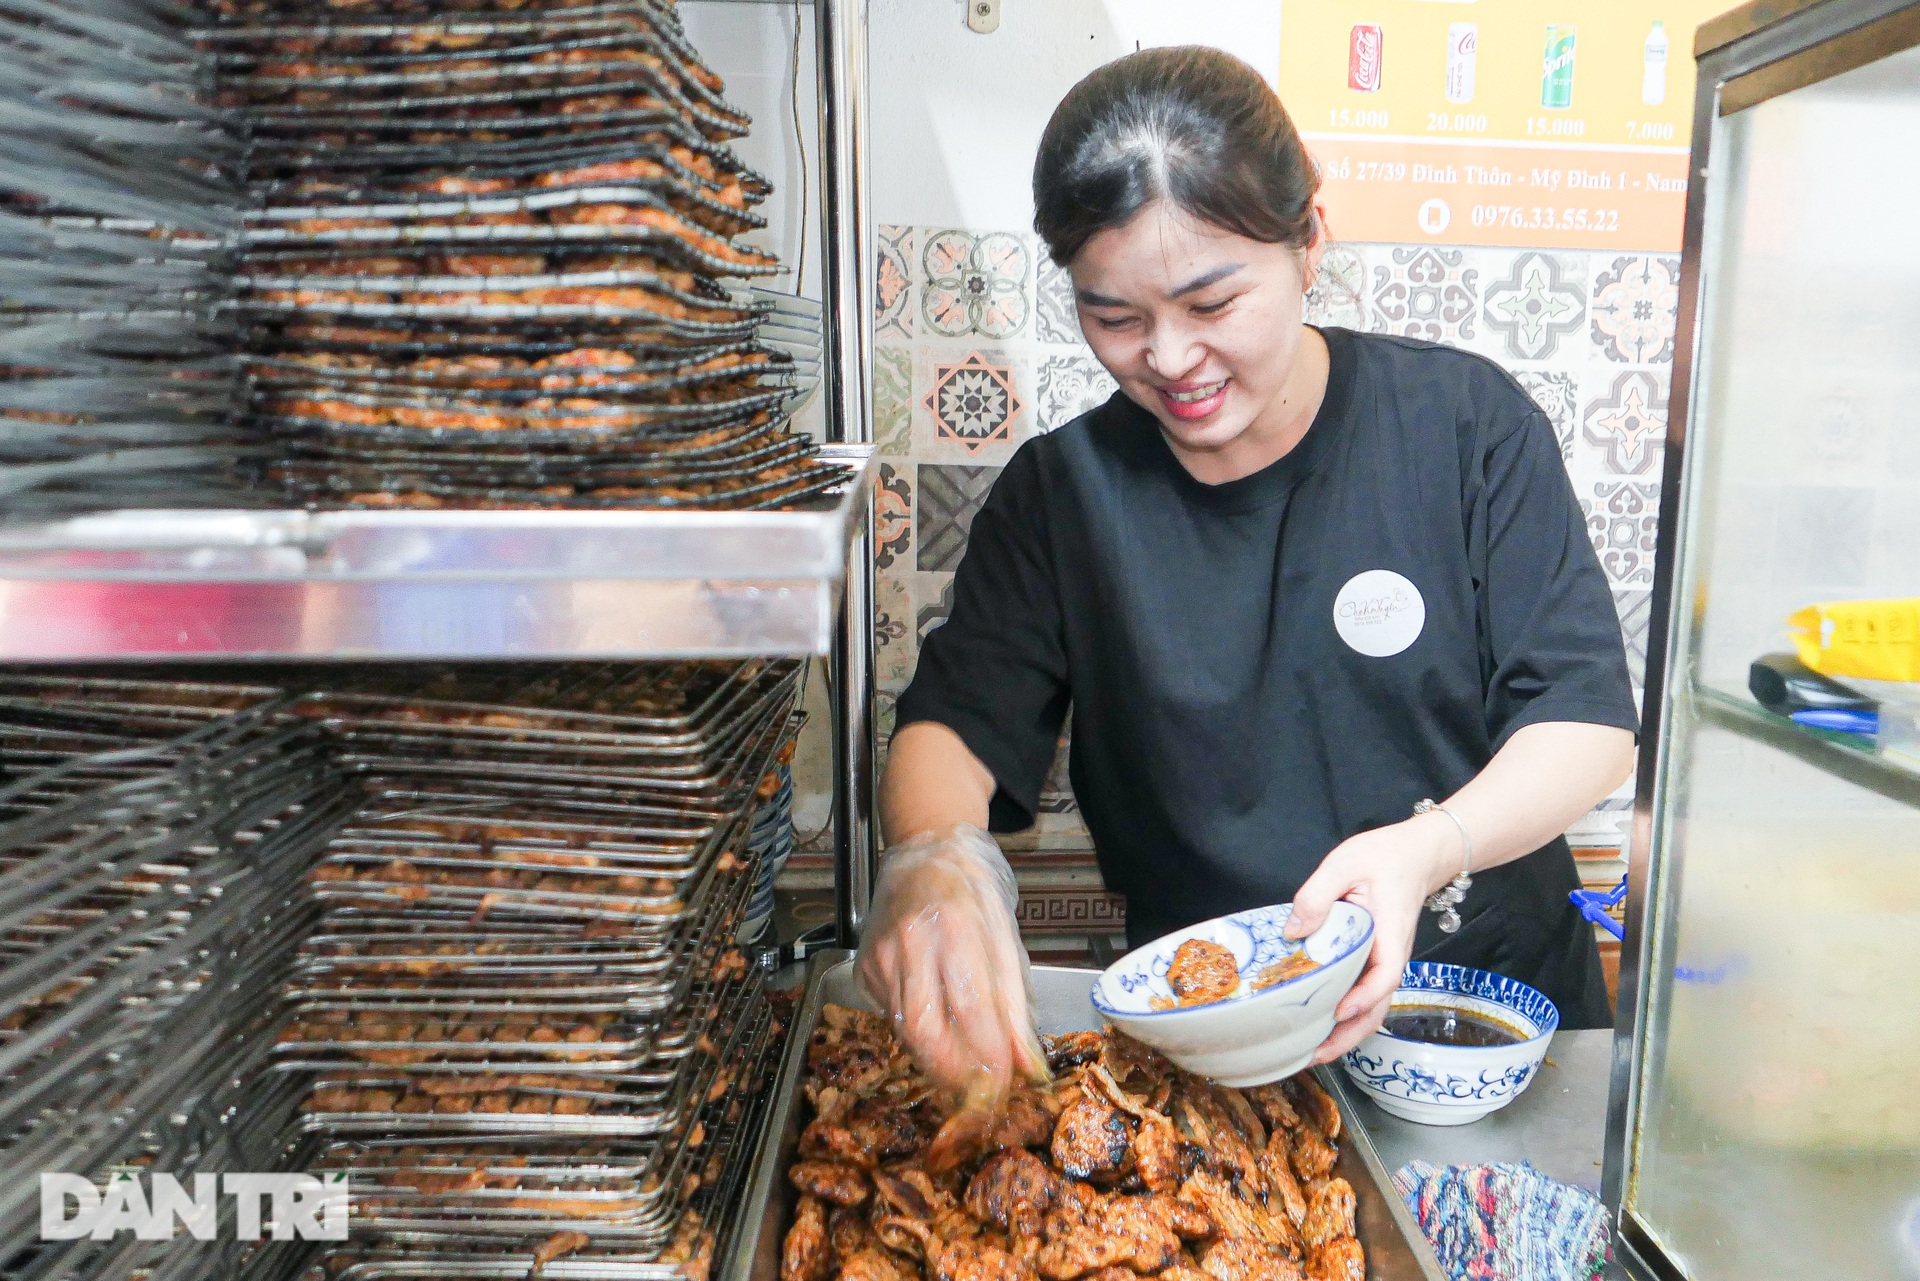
524, 584
1745, 57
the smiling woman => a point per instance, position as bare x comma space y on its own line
1203, 329
1185, 208
1292, 582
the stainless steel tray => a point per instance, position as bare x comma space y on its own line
184, 584
479, 1244
1396, 1251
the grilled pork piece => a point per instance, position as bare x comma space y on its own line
1340, 1259
807, 1254
1141, 1233
1238, 1212
1310, 1154
1074, 1049
835, 1181
1156, 1145
1202, 972
975, 1260
1329, 1215
1243, 1259
1014, 1190
1276, 1170
556, 1246
1092, 1140
1314, 1105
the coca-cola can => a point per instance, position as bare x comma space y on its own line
1363, 57
1463, 42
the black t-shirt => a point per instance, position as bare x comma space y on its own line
1260, 669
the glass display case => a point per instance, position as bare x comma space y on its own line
1765, 1110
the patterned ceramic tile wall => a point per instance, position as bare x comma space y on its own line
977, 348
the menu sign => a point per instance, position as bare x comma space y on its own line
1497, 122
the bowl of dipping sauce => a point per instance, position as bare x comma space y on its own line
1457, 1044
1234, 999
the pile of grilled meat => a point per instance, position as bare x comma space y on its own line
1124, 1167
482, 267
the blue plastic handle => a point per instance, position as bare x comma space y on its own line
1840, 719
1593, 905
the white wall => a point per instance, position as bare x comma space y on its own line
956, 116
751, 46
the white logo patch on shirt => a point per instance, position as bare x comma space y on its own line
1379, 613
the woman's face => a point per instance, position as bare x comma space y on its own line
1201, 327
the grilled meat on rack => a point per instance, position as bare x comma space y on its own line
1125, 1167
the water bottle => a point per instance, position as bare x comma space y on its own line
1653, 79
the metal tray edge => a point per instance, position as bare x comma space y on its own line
1355, 1141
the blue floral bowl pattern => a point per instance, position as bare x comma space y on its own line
1455, 1084
1130, 986
1245, 1040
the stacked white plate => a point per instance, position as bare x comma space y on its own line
769, 845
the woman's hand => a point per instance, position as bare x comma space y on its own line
941, 955
1390, 871
1546, 776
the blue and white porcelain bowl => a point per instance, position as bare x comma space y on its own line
1455, 1084
1244, 1040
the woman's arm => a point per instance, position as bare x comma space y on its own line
940, 949
932, 782
1546, 776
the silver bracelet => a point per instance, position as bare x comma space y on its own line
1448, 898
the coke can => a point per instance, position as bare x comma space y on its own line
1556, 73
1363, 57
1463, 41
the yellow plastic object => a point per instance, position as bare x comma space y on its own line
1876, 640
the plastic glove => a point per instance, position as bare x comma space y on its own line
941, 956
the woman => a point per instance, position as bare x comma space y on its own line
1292, 582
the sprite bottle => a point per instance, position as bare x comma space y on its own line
1556, 76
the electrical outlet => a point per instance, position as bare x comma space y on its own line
983, 16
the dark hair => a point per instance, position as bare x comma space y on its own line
1191, 125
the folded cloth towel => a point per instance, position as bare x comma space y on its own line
1506, 1222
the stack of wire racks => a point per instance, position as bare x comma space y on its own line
120, 200
531, 1032
484, 257
510, 1006
385, 253
150, 903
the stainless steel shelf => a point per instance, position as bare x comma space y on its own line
1841, 755
451, 584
